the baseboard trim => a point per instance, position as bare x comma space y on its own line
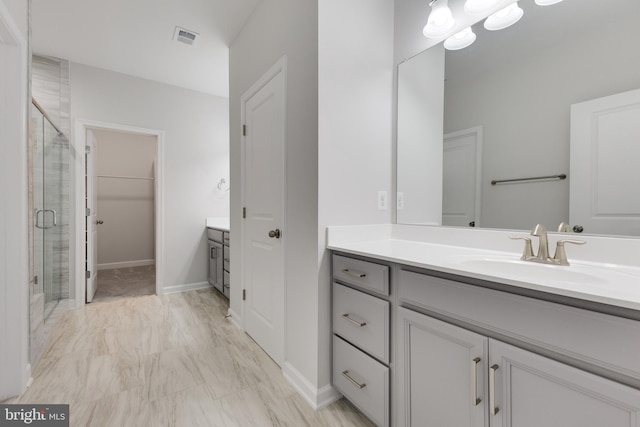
317, 398
126, 264
235, 318
185, 287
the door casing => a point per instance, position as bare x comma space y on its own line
78, 166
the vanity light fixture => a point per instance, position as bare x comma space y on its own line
460, 40
547, 2
504, 18
440, 20
480, 6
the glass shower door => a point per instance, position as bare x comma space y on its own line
48, 192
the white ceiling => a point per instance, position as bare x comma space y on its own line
135, 37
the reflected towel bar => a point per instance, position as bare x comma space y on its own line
535, 178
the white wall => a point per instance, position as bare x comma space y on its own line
14, 283
339, 95
355, 86
196, 155
126, 206
276, 28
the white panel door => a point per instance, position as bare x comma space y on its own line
605, 149
263, 179
92, 218
461, 178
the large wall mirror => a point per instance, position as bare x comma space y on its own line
527, 125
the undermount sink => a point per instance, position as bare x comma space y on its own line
526, 270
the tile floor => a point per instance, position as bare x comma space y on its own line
117, 283
170, 360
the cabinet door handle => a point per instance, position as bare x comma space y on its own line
492, 390
352, 381
213, 252
355, 322
474, 377
351, 273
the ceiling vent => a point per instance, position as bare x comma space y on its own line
185, 36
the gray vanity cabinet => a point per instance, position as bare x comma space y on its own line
432, 349
533, 391
361, 328
444, 371
455, 377
216, 258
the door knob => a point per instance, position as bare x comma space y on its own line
274, 233
100, 222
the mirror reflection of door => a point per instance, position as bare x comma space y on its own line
605, 148
462, 162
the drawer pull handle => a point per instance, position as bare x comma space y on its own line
355, 322
475, 400
492, 390
213, 253
351, 273
226, 259
352, 381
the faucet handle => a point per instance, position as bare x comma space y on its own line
560, 256
564, 227
528, 248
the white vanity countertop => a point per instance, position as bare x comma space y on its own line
490, 255
219, 223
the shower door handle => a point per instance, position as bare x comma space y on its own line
37, 215
44, 212
55, 216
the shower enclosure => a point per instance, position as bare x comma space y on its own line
50, 233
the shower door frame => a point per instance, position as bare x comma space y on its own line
15, 369
77, 174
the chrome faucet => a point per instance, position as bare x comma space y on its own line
540, 231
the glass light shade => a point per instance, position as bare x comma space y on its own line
440, 20
504, 18
547, 2
479, 6
460, 40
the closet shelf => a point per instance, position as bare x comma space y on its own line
126, 177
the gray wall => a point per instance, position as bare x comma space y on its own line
524, 106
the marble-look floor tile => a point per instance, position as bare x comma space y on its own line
171, 360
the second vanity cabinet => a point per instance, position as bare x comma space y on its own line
470, 353
219, 259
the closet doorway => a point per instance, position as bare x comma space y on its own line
121, 219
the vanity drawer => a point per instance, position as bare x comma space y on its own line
362, 380
364, 274
597, 339
215, 235
362, 319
